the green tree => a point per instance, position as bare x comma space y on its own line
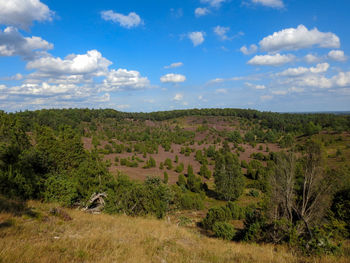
229, 181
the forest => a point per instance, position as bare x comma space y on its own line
233, 174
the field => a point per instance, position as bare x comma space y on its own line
34, 234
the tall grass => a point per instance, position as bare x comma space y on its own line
106, 238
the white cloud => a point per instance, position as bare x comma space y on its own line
270, 3
91, 62
299, 38
337, 55
221, 31
221, 91
174, 65
213, 3
45, 89
266, 97
17, 76
124, 79
251, 50
310, 58
172, 78
22, 13
197, 38
291, 72
260, 87
279, 92
296, 89
315, 81
12, 43
201, 11
178, 97
271, 60
342, 79
127, 21
123, 106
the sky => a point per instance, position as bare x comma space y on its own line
270, 55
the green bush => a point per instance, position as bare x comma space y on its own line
190, 201
224, 230
59, 188
216, 214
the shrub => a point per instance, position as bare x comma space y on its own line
216, 214
168, 164
191, 201
179, 168
166, 178
59, 188
181, 181
224, 230
237, 212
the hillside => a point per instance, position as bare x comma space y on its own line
39, 236
281, 181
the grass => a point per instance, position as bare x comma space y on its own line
106, 238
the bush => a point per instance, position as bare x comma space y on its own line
181, 181
179, 168
191, 201
135, 199
237, 212
166, 178
224, 230
60, 188
216, 214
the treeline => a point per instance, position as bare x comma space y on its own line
286, 122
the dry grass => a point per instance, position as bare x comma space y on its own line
105, 238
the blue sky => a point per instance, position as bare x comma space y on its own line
274, 55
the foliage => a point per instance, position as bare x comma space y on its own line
229, 181
224, 230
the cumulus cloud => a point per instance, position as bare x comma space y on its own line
201, 11
213, 3
22, 13
270, 3
342, 79
91, 62
124, 79
197, 38
310, 58
172, 78
221, 31
337, 55
174, 65
271, 60
291, 72
178, 97
128, 21
12, 43
298, 38
248, 51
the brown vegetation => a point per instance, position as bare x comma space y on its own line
105, 238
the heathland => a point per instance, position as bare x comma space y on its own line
209, 185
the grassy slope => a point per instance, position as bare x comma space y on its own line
106, 238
